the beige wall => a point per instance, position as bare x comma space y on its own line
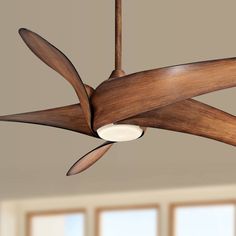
8, 219
13, 212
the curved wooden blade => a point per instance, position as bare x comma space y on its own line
60, 63
68, 117
89, 159
145, 91
191, 117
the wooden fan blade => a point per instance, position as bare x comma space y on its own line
68, 117
145, 91
89, 159
55, 59
190, 117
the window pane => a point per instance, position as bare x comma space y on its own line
58, 225
129, 223
205, 221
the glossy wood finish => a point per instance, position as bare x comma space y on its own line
68, 117
60, 63
144, 91
191, 117
89, 159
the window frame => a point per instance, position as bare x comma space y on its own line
99, 210
31, 214
175, 205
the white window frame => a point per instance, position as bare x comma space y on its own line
31, 215
174, 206
100, 210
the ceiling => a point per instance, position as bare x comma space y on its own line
34, 159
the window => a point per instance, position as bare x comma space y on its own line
67, 223
204, 220
136, 221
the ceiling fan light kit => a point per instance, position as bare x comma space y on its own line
123, 106
120, 132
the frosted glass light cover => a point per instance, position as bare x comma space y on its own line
120, 132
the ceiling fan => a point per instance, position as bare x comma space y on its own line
122, 107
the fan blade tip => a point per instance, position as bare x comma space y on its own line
22, 31
5, 118
68, 174
71, 173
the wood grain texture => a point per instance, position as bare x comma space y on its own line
55, 59
191, 117
89, 159
67, 117
144, 91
